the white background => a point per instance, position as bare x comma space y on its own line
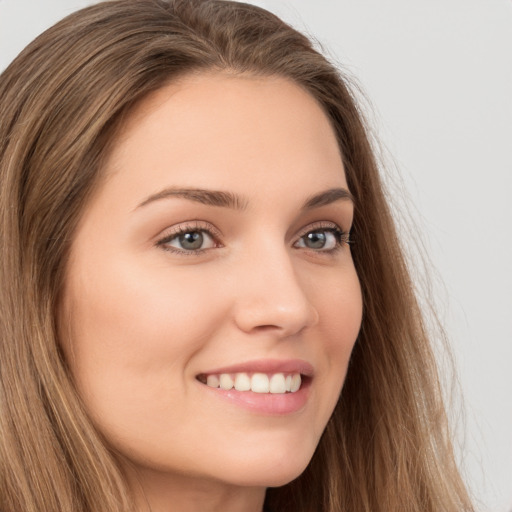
439, 76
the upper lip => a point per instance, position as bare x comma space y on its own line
266, 366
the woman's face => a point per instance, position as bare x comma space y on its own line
215, 254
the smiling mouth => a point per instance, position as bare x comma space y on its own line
275, 383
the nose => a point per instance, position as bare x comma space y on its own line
270, 295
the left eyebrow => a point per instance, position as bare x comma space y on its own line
327, 197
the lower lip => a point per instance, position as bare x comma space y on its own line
276, 404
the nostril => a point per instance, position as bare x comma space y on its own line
265, 328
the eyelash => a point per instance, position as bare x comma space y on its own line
193, 227
342, 237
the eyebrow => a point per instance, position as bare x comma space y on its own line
327, 197
199, 195
236, 202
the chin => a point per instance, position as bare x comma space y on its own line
282, 476
266, 470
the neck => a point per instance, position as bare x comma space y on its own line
161, 492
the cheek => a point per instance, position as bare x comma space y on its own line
339, 305
340, 313
132, 335
126, 314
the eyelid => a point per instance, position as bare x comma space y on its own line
322, 224
199, 225
326, 226
184, 227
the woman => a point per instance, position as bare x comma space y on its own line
204, 302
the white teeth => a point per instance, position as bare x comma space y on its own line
242, 382
212, 381
276, 383
260, 383
226, 382
296, 381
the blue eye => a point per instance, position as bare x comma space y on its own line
194, 239
190, 240
324, 239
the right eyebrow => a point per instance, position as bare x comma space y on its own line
199, 195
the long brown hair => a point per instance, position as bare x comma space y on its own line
386, 447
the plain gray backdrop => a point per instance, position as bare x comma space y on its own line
439, 76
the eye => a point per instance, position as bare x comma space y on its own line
324, 239
192, 241
189, 239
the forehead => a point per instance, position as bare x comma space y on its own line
226, 131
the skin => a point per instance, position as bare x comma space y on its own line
144, 318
